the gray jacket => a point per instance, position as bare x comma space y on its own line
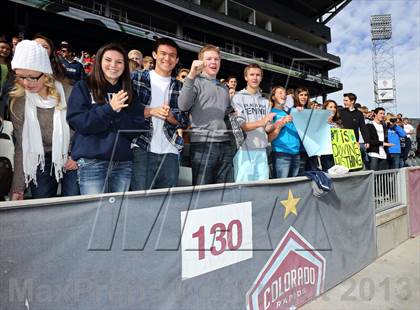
208, 101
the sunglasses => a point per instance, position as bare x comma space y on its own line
29, 79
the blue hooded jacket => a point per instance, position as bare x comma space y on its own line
97, 126
395, 132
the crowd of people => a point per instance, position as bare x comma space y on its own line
115, 121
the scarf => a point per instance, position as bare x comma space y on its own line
32, 147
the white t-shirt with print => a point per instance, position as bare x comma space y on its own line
381, 137
160, 95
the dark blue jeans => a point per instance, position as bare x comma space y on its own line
394, 161
378, 163
405, 151
152, 170
47, 184
102, 176
307, 163
365, 156
285, 165
212, 162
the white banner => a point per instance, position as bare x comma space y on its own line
215, 237
386, 94
385, 84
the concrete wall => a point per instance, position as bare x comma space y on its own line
392, 225
391, 229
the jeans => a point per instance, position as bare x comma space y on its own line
307, 163
285, 165
102, 176
152, 170
47, 185
365, 156
402, 163
394, 161
212, 162
378, 163
405, 151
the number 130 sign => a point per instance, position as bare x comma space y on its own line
215, 237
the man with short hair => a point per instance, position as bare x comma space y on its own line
74, 69
409, 129
137, 56
156, 152
378, 137
231, 82
207, 100
353, 118
253, 110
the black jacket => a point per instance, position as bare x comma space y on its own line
374, 139
354, 120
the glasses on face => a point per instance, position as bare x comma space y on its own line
164, 54
29, 79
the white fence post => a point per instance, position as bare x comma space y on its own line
390, 189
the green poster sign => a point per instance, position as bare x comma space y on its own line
345, 148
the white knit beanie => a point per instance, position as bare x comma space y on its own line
31, 55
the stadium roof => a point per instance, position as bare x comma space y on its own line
315, 8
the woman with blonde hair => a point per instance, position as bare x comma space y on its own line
148, 63
132, 65
38, 114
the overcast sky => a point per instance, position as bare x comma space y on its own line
351, 41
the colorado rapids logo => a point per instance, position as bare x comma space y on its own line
294, 274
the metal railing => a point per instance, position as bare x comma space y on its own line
387, 189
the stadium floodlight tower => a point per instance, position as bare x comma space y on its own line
383, 62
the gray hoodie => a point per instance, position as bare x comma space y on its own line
251, 108
207, 100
